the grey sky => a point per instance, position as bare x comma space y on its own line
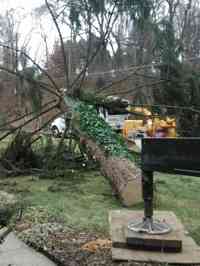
29, 26
26, 4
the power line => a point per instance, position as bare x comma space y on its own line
191, 59
130, 68
127, 69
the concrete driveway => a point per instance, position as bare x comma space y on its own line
13, 252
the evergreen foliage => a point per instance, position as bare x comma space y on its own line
101, 132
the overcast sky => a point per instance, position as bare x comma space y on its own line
26, 4
30, 25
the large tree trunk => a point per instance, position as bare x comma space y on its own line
123, 174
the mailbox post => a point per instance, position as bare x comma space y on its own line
174, 156
148, 224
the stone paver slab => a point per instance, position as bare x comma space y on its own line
119, 220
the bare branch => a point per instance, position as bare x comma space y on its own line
134, 71
62, 44
43, 86
46, 123
33, 61
28, 121
104, 39
25, 115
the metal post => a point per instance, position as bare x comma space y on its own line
147, 190
148, 225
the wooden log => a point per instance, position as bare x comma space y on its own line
123, 175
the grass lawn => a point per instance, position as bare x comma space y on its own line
82, 199
181, 194
79, 199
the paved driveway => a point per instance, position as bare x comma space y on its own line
13, 252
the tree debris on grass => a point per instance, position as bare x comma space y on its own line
19, 155
41, 155
38, 235
94, 246
71, 248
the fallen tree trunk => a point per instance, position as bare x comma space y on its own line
111, 154
122, 172
123, 175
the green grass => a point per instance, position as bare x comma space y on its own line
180, 194
82, 199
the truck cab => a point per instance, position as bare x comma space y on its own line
114, 118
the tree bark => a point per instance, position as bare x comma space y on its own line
123, 175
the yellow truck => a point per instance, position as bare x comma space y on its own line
149, 126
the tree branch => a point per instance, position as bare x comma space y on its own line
28, 121
34, 62
25, 115
62, 44
104, 39
40, 84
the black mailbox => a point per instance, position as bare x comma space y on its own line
177, 156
